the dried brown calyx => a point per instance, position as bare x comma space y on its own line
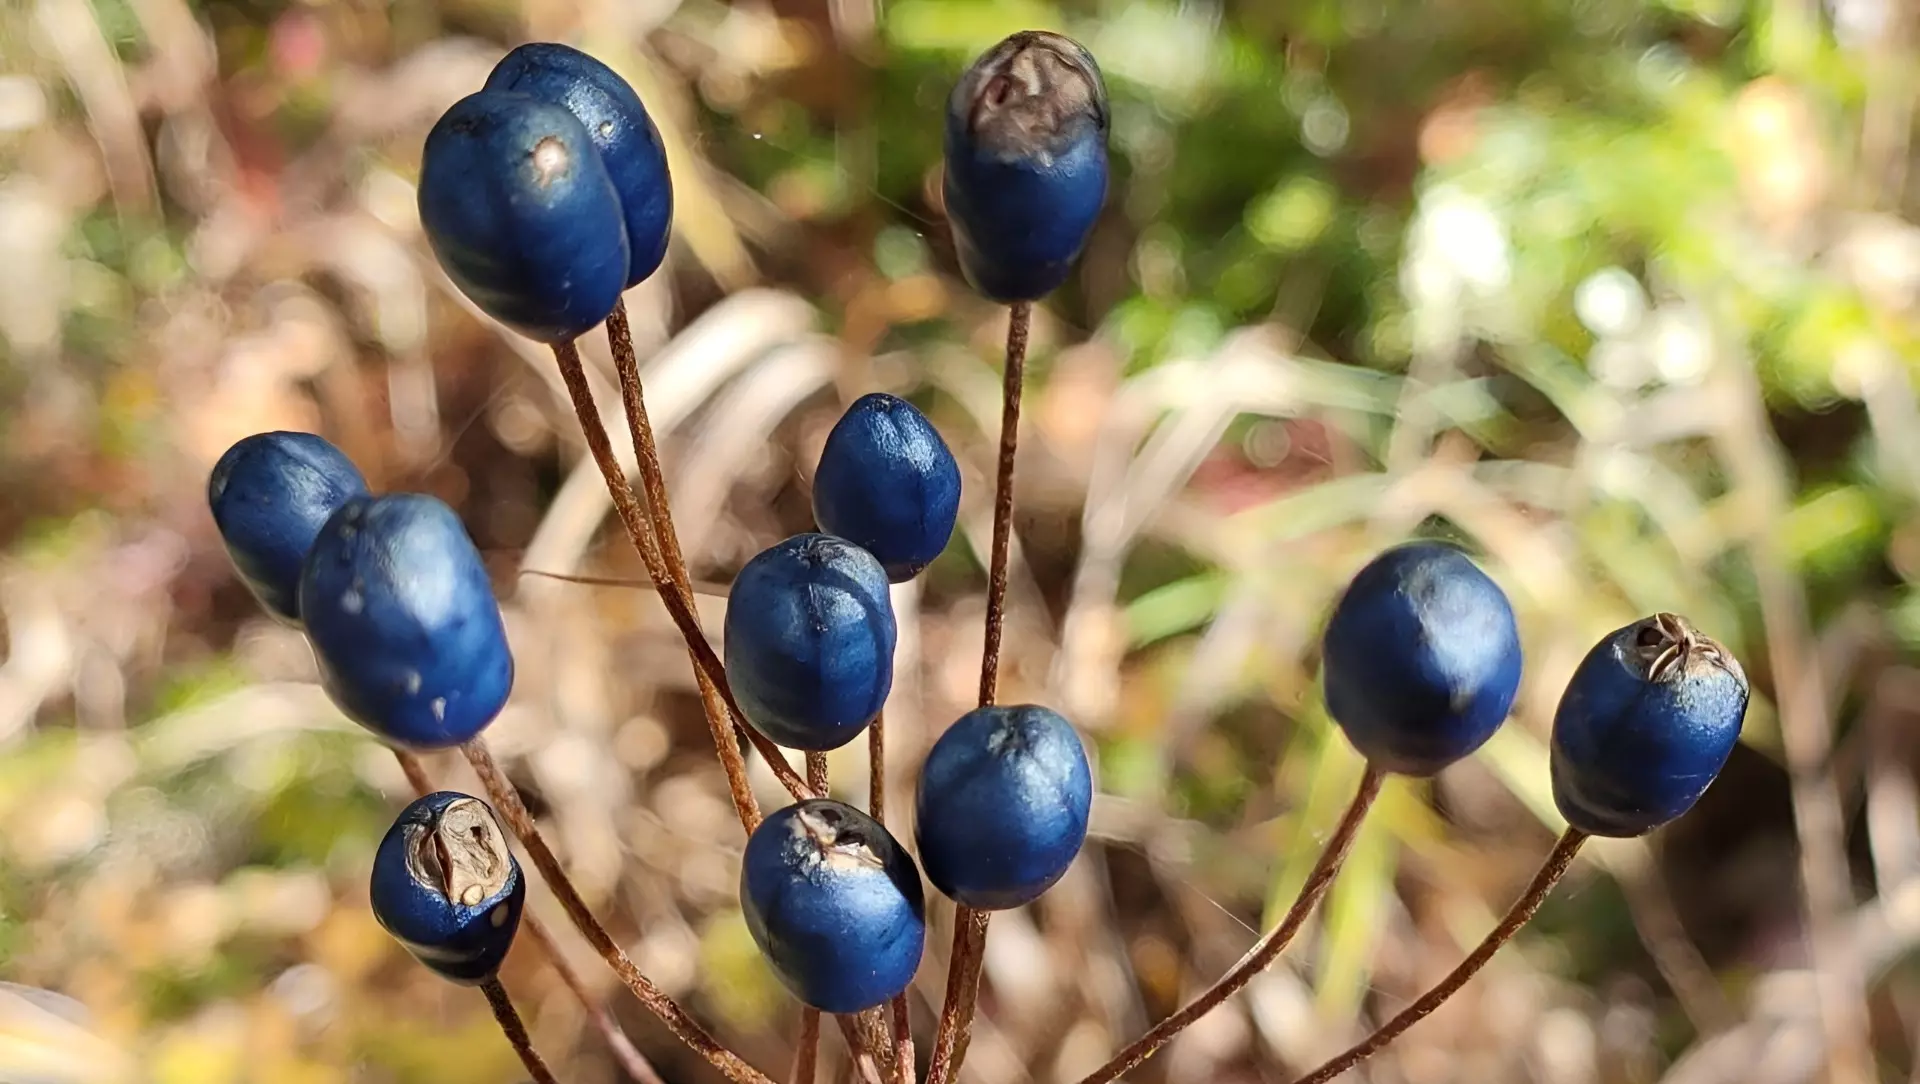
461, 854
1027, 96
839, 841
1668, 645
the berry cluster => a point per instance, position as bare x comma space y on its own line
546, 194
409, 644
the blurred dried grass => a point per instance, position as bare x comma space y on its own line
1663, 361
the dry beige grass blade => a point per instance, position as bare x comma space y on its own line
1754, 459
737, 427
87, 59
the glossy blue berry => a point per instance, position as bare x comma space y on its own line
446, 886
403, 621
835, 904
520, 211
1647, 722
1026, 164
888, 484
1003, 804
809, 641
620, 128
1422, 658
269, 494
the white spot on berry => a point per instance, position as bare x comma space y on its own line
352, 601
438, 705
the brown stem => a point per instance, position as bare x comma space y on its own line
1019, 317
660, 517
901, 1030
631, 1060
574, 375
1551, 871
963, 987
516, 1031
807, 1052
877, 767
902, 1041
1319, 879
970, 926
506, 802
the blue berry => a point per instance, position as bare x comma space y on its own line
403, 621
269, 495
1422, 658
446, 886
620, 128
1026, 163
1647, 722
520, 211
1002, 808
809, 641
888, 484
835, 904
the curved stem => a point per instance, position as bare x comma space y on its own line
1550, 873
574, 375
631, 1060
969, 925
506, 802
1319, 879
1019, 318
646, 454
516, 1031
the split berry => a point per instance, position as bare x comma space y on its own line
888, 483
620, 128
521, 212
809, 641
1422, 658
835, 904
1647, 722
404, 623
1026, 163
1003, 804
446, 886
270, 494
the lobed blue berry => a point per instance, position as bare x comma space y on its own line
888, 484
403, 621
1026, 163
1646, 723
835, 904
447, 887
270, 493
1422, 658
617, 123
520, 210
1003, 805
809, 641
